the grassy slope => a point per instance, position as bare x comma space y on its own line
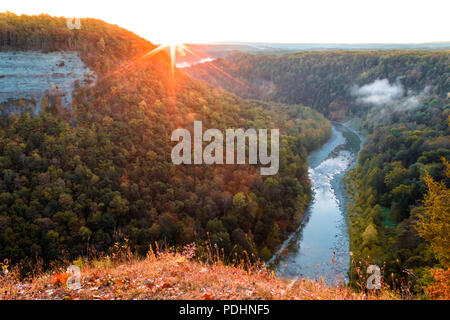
173, 276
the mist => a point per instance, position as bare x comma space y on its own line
381, 93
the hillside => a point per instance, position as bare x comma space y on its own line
328, 80
399, 99
76, 179
168, 275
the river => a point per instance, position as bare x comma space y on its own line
320, 246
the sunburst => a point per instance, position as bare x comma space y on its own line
173, 48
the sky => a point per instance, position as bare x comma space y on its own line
280, 21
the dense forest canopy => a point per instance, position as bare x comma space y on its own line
75, 181
401, 99
324, 79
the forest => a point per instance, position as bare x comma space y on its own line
407, 141
78, 181
324, 80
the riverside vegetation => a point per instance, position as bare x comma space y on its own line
400, 101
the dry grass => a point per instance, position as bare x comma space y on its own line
169, 275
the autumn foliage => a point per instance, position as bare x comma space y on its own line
166, 274
440, 288
434, 225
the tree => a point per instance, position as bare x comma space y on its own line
402, 197
370, 235
239, 200
396, 176
434, 224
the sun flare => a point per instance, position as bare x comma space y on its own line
174, 47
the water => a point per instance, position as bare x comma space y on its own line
320, 247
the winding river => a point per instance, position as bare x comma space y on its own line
320, 247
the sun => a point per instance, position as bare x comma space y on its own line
174, 47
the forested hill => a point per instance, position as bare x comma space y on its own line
325, 80
102, 46
402, 101
76, 181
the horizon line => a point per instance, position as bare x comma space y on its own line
228, 42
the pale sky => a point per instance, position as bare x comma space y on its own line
283, 21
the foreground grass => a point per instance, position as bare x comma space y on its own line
172, 276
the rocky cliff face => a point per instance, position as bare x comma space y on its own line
29, 75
